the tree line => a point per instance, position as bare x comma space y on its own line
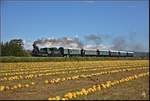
13, 47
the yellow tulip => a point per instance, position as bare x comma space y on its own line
57, 97
78, 93
63, 99
99, 87
15, 87
63, 79
27, 85
19, 85
46, 81
74, 95
11, 88
103, 85
7, 87
2, 88
52, 81
32, 83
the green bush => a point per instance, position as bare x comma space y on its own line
13, 48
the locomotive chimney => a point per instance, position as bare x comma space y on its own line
35, 49
34, 45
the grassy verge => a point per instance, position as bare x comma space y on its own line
61, 59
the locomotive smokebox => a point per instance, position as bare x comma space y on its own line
35, 51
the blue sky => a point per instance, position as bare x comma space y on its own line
32, 20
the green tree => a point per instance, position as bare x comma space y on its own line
13, 48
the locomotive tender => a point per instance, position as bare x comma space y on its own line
68, 52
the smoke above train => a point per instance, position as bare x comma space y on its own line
93, 41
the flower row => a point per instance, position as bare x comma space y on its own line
97, 87
47, 69
57, 80
16, 86
46, 73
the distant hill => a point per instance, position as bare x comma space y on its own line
141, 54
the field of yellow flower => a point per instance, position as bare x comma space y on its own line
78, 80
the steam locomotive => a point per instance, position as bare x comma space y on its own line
63, 52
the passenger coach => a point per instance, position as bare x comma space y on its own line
68, 52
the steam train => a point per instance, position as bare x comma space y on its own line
63, 52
